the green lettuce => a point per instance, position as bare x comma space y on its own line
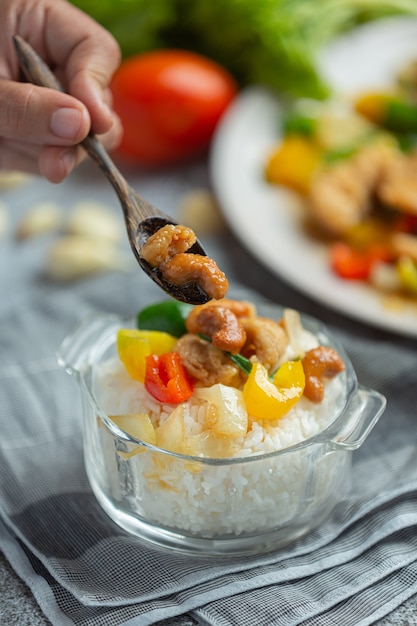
138, 25
269, 42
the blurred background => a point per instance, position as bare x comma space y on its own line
268, 42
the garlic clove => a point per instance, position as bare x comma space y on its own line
40, 219
11, 179
4, 219
74, 256
199, 211
93, 219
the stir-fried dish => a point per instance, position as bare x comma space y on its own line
211, 371
355, 166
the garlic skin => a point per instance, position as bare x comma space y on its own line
40, 219
95, 220
75, 256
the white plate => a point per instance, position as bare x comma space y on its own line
267, 219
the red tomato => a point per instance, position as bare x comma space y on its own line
169, 102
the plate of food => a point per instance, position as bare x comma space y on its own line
273, 219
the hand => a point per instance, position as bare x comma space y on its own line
40, 128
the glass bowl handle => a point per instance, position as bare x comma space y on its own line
362, 413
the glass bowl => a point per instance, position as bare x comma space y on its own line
226, 506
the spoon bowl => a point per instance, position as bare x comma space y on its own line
142, 219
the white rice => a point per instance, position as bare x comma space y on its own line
120, 394
224, 499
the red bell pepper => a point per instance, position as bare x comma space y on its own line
166, 379
350, 263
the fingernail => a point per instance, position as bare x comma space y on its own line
65, 123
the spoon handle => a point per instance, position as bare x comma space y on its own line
38, 73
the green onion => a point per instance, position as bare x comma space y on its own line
299, 124
400, 116
238, 359
241, 361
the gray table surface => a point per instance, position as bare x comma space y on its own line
164, 189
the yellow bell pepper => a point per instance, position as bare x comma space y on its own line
271, 400
407, 273
133, 346
293, 163
372, 105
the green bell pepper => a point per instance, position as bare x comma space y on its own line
168, 316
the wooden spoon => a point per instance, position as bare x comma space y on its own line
142, 218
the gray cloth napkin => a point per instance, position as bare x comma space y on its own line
356, 567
